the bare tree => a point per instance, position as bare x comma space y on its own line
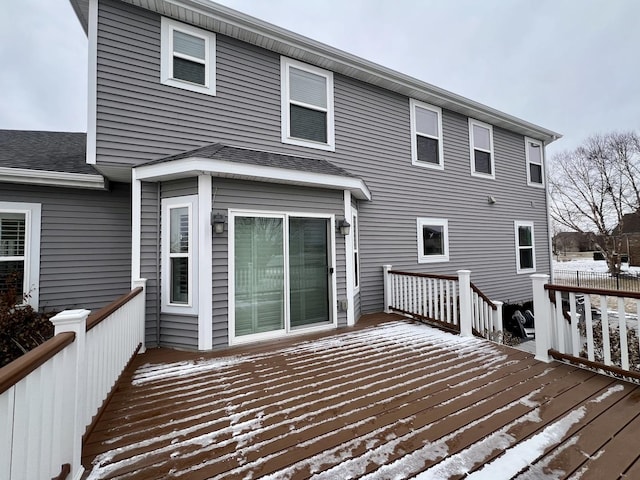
594, 186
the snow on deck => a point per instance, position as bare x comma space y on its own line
389, 399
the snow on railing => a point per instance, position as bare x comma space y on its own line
595, 327
449, 301
49, 396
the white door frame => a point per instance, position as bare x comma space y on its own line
285, 215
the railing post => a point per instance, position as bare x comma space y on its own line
388, 292
74, 389
543, 317
142, 282
497, 320
464, 282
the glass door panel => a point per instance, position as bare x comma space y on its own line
308, 270
259, 275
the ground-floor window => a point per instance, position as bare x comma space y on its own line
179, 255
282, 272
433, 240
20, 250
525, 247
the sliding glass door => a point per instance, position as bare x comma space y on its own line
282, 277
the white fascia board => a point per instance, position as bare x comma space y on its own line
194, 166
51, 178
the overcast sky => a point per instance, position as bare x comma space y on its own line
572, 66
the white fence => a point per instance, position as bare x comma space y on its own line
49, 396
598, 328
451, 301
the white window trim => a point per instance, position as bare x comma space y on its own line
33, 219
285, 64
423, 221
191, 202
414, 131
166, 53
528, 140
472, 157
517, 224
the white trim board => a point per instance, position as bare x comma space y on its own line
52, 178
194, 166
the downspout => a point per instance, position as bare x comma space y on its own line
158, 259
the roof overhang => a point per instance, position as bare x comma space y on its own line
211, 16
193, 166
52, 178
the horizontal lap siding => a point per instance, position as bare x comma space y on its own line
85, 243
140, 119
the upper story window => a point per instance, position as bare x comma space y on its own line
307, 105
188, 57
433, 240
481, 143
426, 135
20, 250
534, 155
179, 255
525, 247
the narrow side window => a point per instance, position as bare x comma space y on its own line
525, 247
534, 153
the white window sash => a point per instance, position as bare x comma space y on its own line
439, 222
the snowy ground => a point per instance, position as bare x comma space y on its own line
584, 265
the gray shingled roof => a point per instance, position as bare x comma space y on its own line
218, 151
52, 151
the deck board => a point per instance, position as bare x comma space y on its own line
386, 399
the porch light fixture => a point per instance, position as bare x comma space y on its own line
217, 221
344, 227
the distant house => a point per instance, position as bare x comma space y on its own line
259, 180
630, 231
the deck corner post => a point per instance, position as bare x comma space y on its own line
388, 290
142, 282
542, 312
497, 321
74, 384
464, 281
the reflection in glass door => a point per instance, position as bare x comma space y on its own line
259, 275
261, 246
308, 271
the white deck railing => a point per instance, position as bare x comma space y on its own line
598, 328
452, 302
49, 396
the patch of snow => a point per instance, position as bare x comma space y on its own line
524, 453
610, 391
541, 469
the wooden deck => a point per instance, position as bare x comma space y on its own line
387, 399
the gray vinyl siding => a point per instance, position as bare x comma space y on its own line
85, 243
150, 259
140, 119
179, 331
180, 188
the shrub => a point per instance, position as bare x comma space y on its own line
21, 327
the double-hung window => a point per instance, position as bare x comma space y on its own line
426, 135
188, 57
179, 255
534, 156
525, 247
307, 105
433, 240
20, 250
481, 146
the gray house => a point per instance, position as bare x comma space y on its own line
268, 178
